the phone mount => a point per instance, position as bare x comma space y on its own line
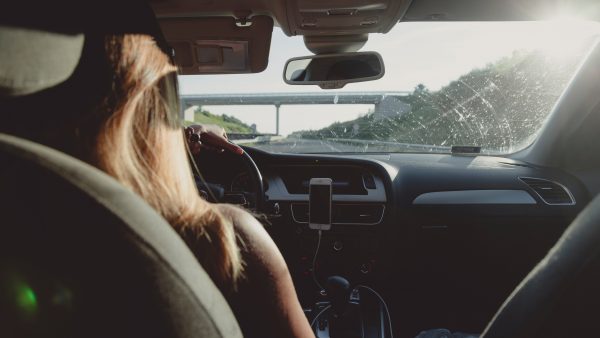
319, 203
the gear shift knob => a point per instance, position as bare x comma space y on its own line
338, 292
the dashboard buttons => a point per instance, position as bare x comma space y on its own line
203, 194
338, 245
365, 268
355, 296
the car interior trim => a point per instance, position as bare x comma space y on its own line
278, 192
341, 223
475, 197
573, 201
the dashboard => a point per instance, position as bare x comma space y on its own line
444, 238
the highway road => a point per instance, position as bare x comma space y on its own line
295, 145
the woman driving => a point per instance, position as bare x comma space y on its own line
137, 139
127, 125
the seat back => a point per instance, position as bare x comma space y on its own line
561, 295
80, 255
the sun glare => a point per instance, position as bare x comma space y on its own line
559, 38
563, 36
565, 17
566, 11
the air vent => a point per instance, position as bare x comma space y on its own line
550, 192
351, 214
369, 181
347, 180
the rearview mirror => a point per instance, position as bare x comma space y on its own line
333, 71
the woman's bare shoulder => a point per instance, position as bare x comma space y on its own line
256, 243
244, 223
236, 214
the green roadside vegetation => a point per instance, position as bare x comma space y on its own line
495, 107
229, 123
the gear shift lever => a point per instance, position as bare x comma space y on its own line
338, 292
345, 319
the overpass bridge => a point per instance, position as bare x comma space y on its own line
386, 103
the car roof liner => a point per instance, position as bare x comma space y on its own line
73, 17
42, 42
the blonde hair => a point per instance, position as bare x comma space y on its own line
140, 142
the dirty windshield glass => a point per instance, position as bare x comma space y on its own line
490, 85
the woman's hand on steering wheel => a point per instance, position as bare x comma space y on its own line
213, 138
209, 137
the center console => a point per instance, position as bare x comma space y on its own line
348, 312
330, 223
359, 209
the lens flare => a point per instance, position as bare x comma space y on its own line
26, 298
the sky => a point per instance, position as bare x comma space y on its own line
431, 53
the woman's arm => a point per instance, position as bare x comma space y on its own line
265, 302
210, 137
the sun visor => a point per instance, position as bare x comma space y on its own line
219, 45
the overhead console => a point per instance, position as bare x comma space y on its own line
297, 17
328, 26
318, 17
340, 26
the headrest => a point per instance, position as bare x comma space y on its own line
42, 41
33, 60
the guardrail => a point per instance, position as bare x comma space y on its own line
411, 146
291, 98
383, 145
254, 138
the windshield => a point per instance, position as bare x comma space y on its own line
490, 85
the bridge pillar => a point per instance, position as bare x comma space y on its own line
189, 112
182, 107
277, 106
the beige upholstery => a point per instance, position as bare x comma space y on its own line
34, 60
70, 232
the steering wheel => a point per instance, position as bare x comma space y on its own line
257, 181
215, 192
